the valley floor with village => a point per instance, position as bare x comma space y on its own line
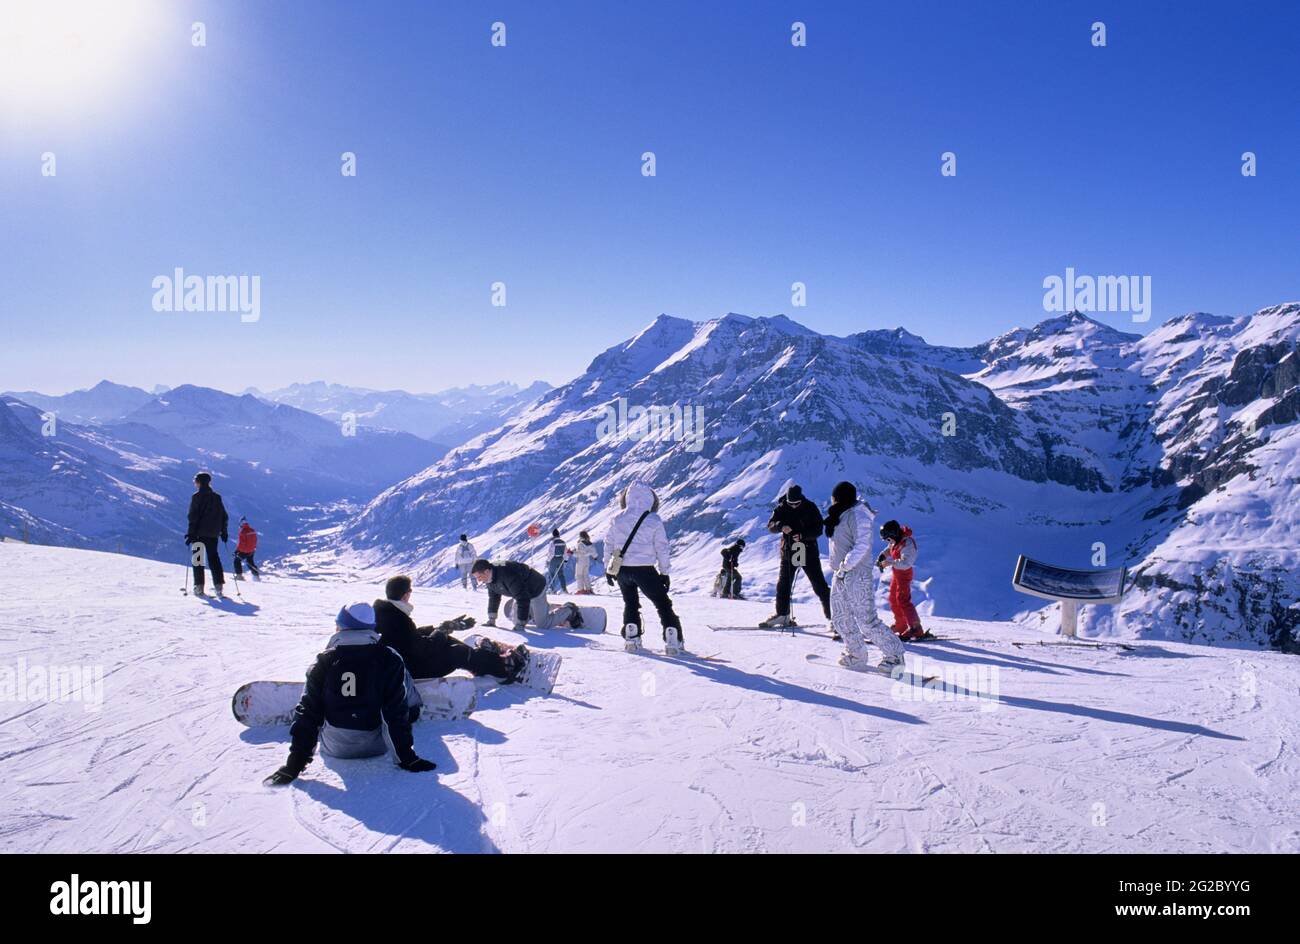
1167, 747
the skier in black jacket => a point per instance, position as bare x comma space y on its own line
799, 523
359, 701
432, 651
207, 522
728, 582
519, 582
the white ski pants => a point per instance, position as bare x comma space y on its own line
853, 615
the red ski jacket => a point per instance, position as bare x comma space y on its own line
247, 539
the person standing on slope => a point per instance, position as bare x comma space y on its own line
465, 557
584, 552
432, 651
850, 523
245, 549
800, 524
637, 542
359, 701
207, 522
900, 558
555, 568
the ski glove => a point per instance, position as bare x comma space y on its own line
609, 578
666, 581
417, 765
288, 773
225, 539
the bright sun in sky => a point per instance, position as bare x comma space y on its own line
58, 55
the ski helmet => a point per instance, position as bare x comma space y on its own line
891, 530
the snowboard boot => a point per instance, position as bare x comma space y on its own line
855, 662
777, 621
673, 645
889, 666
516, 665
574, 618
631, 638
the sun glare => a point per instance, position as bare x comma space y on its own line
58, 55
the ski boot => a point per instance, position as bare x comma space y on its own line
777, 621
631, 638
673, 645
218, 592
914, 632
199, 591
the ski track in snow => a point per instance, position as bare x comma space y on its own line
1170, 748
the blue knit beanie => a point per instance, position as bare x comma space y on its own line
356, 616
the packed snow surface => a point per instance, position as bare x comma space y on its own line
1169, 748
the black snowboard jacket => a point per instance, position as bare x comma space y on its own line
517, 581
208, 518
803, 519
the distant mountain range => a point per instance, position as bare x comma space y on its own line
1071, 441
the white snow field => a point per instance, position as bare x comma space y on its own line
1170, 748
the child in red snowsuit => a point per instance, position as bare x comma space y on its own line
244, 551
900, 557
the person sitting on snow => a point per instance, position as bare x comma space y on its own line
900, 557
849, 525
432, 651
527, 588
359, 701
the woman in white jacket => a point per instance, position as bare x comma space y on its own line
850, 527
584, 552
647, 548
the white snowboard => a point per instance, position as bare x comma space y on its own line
541, 672
260, 704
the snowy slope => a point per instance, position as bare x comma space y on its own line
1174, 748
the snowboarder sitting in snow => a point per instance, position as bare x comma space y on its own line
800, 524
207, 521
465, 557
635, 543
849, 524
431, 651
359, 701
245, 548
900, 557
727, 583
528, 590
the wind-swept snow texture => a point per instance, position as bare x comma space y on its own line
1173, 747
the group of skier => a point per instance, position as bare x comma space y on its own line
207, 522
638, 563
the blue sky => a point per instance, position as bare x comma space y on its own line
521, 164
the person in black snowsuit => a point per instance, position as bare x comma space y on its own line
432, 651
515, 580
359, 701
729, 578
799, 523
207, 522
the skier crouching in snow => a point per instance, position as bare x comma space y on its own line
527, 588
727, 583
635, 543
465, 557
900, 558
245, 549
431, 651
207, 521
359, 701
849, 526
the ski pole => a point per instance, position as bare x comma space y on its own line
185, 586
